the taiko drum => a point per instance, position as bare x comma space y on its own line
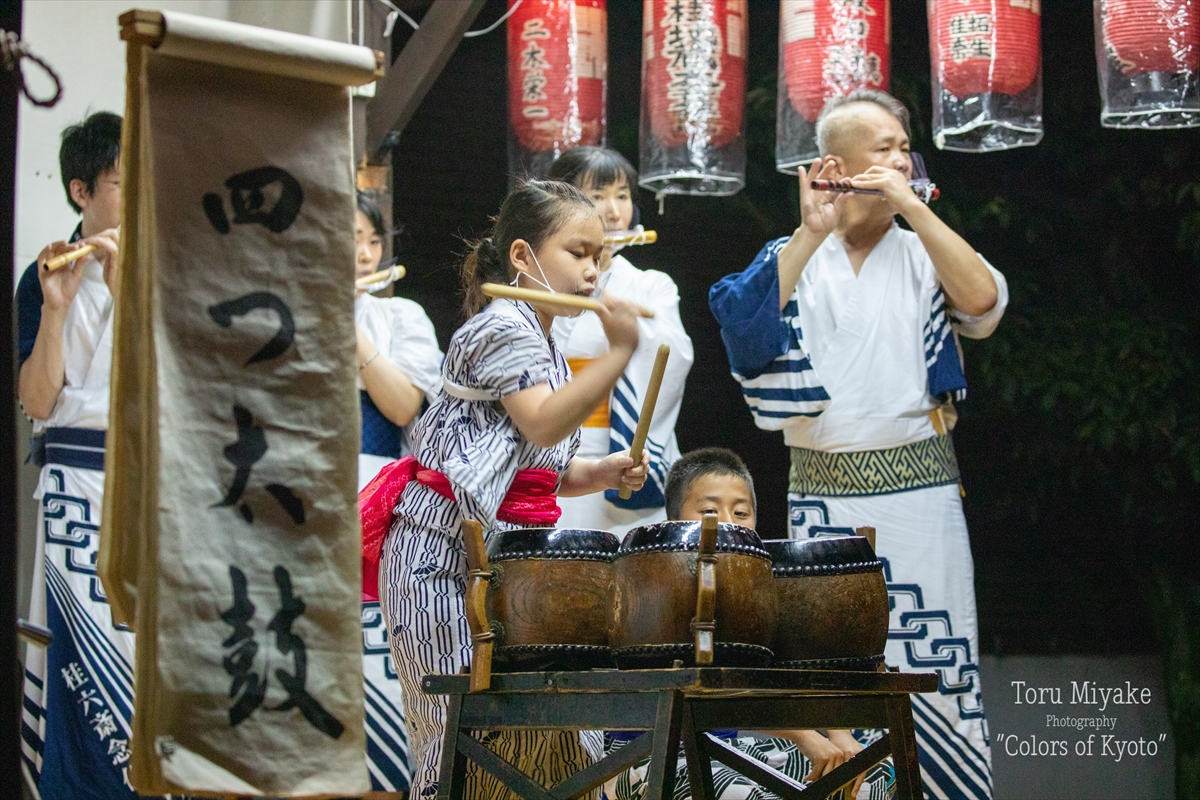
654, 597
547, 600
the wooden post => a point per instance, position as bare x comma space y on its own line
10, 703
867, 532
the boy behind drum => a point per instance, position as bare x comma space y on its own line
716, 480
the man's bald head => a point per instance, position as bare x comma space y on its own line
841, 124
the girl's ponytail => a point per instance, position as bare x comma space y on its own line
484, 264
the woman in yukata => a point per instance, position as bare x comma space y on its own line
399, 371
610, 181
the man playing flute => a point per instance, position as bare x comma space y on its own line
844, 337
78, 693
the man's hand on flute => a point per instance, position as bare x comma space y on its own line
59, 286
819, 215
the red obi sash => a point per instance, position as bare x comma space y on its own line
530, 501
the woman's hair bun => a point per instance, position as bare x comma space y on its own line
491, 260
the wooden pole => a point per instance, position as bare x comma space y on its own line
10, 697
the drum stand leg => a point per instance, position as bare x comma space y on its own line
699, 765
664, 756
903, 742
452, 776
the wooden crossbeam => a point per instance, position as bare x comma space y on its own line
509, 775
399, 93
607, 767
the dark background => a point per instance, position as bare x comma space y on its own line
1080, 440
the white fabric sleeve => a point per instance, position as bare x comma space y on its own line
662, 296
982, 326
414, 349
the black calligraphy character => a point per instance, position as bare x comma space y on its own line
240, 663
246, 195
251, 445
288, 643
223, 314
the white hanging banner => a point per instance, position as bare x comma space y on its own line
231, 537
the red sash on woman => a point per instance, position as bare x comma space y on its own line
530, 501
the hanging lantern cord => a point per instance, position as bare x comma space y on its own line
398, 13
12, 50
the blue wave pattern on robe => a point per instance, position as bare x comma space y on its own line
86, 698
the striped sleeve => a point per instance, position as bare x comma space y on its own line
746, 305
766, 346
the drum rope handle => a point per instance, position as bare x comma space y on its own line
704, 624
482, 635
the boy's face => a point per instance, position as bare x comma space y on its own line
725, 495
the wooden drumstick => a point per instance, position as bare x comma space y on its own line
643, 425
60, 261
551, 300
478, 576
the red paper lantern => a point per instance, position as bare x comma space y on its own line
694, 54
832, 47
556, 102
1153, 35
986, 45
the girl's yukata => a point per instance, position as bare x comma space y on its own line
468, 455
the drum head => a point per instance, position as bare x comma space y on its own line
677, 536
834, 555
577, 543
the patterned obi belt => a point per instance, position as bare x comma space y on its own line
530, 501
912, 466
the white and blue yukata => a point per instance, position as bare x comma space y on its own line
779, 754
467, 436
403, 334
610, 428
858, 372
75, 724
